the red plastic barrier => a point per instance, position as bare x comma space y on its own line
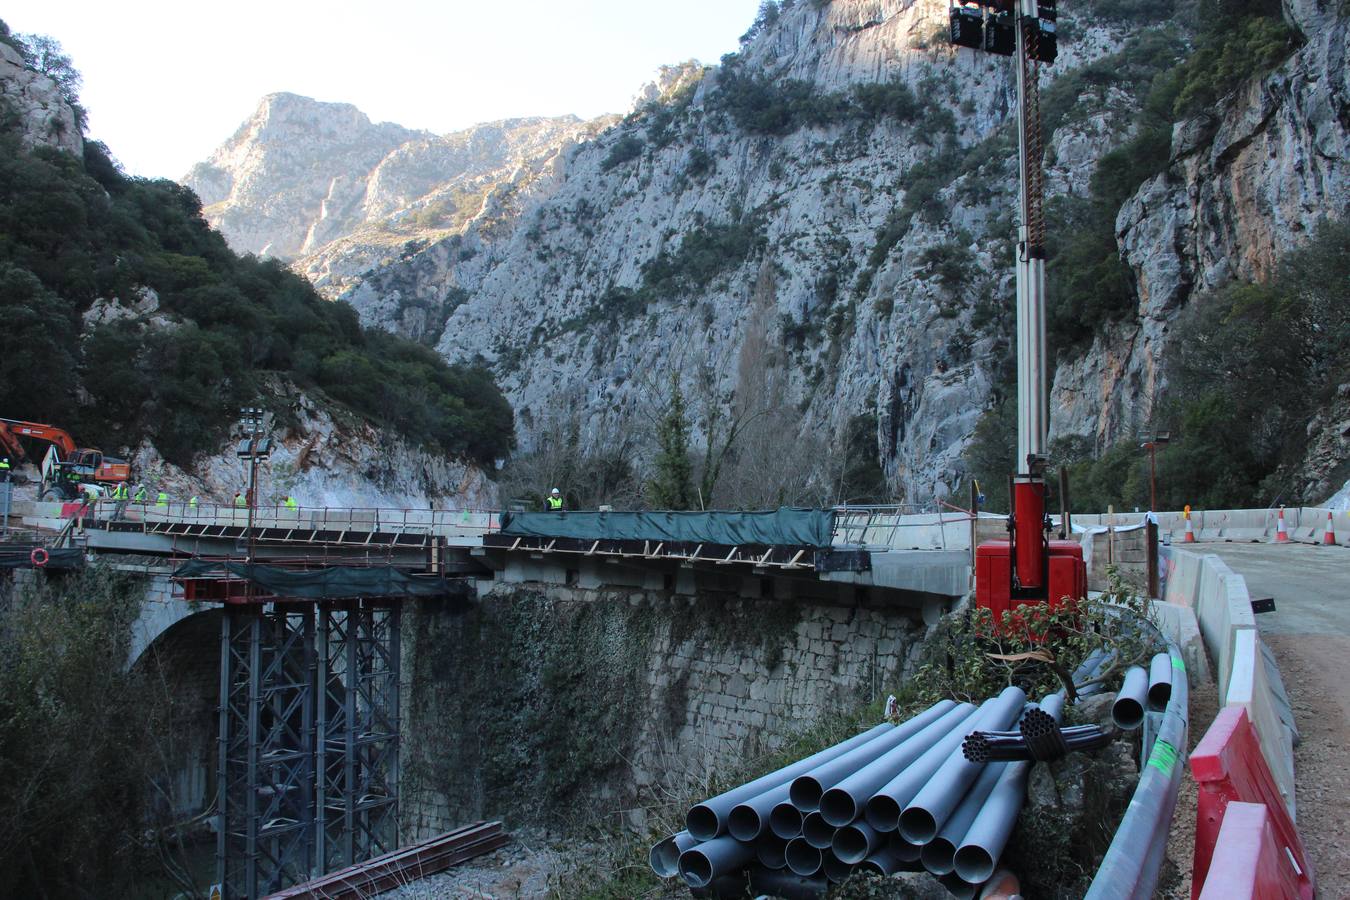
1229, 768
71, 510
1248, 860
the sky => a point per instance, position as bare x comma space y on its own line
166, 83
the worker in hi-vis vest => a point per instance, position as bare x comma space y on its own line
141, 494
555, 500
4, 467
120, 491
239, 500
290, 502
162, 499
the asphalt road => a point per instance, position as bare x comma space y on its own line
1310, 635
1310, 584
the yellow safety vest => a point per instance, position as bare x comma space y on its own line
555, 503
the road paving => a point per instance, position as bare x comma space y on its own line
1310, 634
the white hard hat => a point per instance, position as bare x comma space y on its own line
555, 491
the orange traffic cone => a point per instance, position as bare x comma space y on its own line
1281, 535
1329, 540
1190, 532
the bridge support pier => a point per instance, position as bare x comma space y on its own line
309, 741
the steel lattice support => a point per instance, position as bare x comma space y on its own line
358, 725
266, 779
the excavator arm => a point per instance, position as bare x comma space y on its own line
13, 429
87, 465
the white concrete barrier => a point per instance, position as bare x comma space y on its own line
1247, 676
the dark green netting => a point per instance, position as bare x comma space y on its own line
20, 556
332, 583
781, 527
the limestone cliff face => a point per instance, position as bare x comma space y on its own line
325, 459
1247, 183
790, 323
35, 105
812, 269
321, 185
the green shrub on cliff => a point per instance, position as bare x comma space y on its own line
77, 233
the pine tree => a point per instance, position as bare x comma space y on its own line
672, 484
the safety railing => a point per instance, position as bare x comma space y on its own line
443, 522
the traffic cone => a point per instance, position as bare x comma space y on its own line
1329, 540
1190, 532
1281, 535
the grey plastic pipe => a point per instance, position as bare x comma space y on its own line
977, 856
886, 862
939, 854
771, 851
750, 818
903, 849
785, 820
817, 832
802, 858
925, 814
854, 843
1128, 710
835, 869
665, 855
844, 802
1159, 682
807, 789
787, 885
707, 820
983, 844
958, 888
700, 864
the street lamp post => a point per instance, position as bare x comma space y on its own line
1151, 442
253, 447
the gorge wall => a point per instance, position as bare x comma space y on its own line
801, 242
556, 705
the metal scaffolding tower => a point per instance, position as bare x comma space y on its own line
309, 740
358, 729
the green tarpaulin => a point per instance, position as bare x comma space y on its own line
333, 583
782, 527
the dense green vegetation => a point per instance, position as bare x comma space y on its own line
76, 742
76, 232
1089, 286
1238, 431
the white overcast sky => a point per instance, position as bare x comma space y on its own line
165, 83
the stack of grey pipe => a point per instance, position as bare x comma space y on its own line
1143, 689
893, 798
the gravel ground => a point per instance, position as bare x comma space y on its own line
522, 869
1181, 839
1316, 670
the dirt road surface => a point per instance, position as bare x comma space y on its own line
1310, 634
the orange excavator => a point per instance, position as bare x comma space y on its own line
66, 469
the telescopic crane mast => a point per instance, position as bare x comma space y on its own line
1028, 567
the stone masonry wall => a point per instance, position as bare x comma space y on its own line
558, 705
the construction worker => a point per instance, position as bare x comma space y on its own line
192, 502
555, 500
162, 500
239, 500
290, 502
4, 467
120, 492
141, 494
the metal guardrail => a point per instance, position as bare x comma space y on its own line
1132, 862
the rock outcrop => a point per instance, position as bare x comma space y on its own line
35, 105
327, 459
798, 262
1247, 183
319, 184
